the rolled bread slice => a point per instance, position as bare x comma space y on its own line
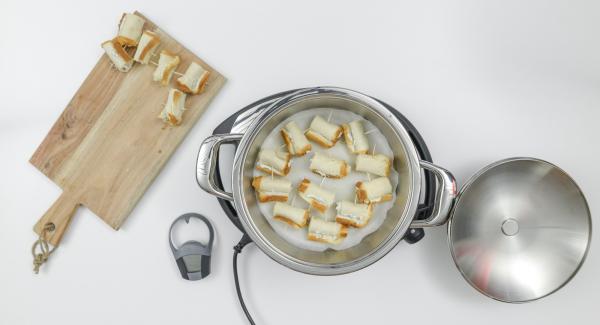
355, 215
324, 165
172, 113
329, 232
146, 47
119, 57
294, 138
355, 137
193, 80
293, 216
378, 164
318, 197
272, 188
167, 63
130, 29
324, 133
274, 162
374, 191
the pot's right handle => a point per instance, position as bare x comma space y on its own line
444, 197
207, 161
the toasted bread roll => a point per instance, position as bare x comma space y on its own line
318, 197
377, 190
130, 29
375, 164
326, 231
174, 108
272, 188
293, 216
294, 138
146, 47
167, 63
117, 55
354, 135
273, 162
324, 133
355, 215
193, 80
328, 167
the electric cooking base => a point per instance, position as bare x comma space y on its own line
239, 122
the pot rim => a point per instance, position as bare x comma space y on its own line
327, 269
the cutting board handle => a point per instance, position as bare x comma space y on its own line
59, 214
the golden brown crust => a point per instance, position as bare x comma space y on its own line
348, 140
290, 222
153, 43
318, 206
290, 146
388, 167
119, 50
186, 89
125, 41
344, 170
315, 137
349, 222
361, 195
343, 233
256, 182
303, 186
262, 197
173, 120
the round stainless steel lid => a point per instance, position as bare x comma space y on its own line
520, 229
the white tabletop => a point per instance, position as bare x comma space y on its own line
481, 80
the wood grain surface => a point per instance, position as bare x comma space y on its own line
108, 145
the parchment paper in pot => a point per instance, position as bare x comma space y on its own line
344, 188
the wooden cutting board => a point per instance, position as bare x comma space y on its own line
108, 145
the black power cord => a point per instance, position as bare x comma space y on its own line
236, 250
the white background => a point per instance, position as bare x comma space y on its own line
481, 80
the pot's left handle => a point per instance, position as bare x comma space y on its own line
444, 197
207, 160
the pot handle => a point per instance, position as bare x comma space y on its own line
207, 161
444, 197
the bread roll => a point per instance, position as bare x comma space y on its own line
324, 133
271, 161
146, 47
130, 29
377, 190
193, 80
167, 63
379, 165
295, 139
272, 188
326, 231
117, 55
355, 215
174, 108
318, 197
293, 216
355, 137
329, 167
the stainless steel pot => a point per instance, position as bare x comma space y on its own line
373, 247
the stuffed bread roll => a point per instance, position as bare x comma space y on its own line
329, 167
355, 137
293, 216
318, 197
324, 133
377, 190
173, 111
355, 215
294, 138
272, 188
130, 29
119, 57
375, 164
329, 232
271, 161
146, 47
193, 80
167, 63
